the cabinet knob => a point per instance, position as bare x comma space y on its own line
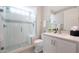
53, 42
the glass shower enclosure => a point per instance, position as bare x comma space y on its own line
18, 24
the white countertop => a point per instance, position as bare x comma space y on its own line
64, 36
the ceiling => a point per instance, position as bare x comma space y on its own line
57, 9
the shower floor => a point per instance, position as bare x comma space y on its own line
14, 47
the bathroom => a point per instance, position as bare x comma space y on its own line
22, 28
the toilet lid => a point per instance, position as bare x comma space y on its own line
38, 41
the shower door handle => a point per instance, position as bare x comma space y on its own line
21, 29
4, 26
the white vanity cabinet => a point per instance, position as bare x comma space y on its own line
49, 45
63, 46
57, 45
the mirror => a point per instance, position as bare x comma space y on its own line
66, 18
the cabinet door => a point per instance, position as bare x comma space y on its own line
48, 46
63, 46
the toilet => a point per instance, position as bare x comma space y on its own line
38, 44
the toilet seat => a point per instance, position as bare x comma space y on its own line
38, 45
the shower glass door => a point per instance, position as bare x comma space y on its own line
20, 24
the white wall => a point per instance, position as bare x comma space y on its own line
46, 16
39, 21
60, 18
